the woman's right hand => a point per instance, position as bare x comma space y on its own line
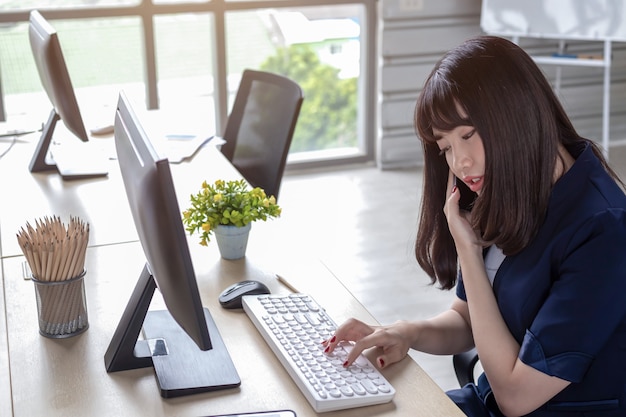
394, 340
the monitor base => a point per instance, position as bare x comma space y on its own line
75, 167
180, 366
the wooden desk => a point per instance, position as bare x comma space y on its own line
30, 196
5, 376
101, 202
67, 376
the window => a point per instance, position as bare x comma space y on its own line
188, 56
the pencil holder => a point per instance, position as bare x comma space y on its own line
61, 307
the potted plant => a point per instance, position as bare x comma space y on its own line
228, 208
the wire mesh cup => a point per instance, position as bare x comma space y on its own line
61, 306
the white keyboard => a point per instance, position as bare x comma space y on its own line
294, 326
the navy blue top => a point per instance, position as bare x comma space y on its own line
563, 297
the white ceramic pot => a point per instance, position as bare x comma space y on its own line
232, 240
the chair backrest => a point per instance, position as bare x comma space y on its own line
260, 127
464, 365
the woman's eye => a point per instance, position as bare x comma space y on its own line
443, 151
469, 134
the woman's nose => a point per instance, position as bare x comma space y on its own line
461, 160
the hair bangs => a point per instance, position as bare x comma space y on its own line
438, 108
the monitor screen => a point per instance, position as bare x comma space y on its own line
56, 81
182, 342
53, 73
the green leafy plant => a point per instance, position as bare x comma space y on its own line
227, 203
328, 118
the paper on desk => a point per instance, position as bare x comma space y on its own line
10, 130
177, 147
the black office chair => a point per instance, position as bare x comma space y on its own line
464, 364
260, 127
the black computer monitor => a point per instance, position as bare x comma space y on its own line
56, 81
182, 343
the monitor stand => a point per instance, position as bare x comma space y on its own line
180, 366
73, 169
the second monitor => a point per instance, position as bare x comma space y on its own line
56, 81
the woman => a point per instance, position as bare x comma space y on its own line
539, 263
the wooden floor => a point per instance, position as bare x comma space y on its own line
362, 222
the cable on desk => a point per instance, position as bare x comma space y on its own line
6, 151
14, 135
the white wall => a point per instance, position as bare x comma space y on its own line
413, 34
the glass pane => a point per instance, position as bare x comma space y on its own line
318, 47
185, 67
98, 70
12, 5
24, 100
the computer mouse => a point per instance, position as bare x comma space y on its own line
231, 297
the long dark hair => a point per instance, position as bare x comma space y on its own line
493, 85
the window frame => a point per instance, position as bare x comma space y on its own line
146, 11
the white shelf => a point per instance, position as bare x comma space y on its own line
580, 62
